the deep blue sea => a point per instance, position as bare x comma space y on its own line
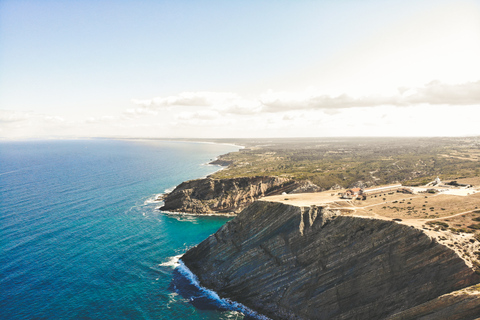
80, 237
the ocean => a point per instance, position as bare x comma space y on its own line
81, 235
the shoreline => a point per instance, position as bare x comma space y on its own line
224, 302
173, 213
264, 278
177, 140
159, 196
185, 271
213, 295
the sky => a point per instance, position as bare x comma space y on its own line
239, 69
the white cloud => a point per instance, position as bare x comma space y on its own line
102, 119
432, 109
54, 119
200, 99
21, 124
433, 93
140, 111
312, 113
181, 105
223, 102
240, 106
200, 115
10, 116
436, 92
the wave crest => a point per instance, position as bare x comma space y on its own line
172, 261
224, 302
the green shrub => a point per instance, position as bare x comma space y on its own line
464, 230
438, 223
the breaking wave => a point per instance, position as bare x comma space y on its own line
204, 298
172, 261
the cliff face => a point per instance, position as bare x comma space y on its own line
311, 263
209, 195
459, 305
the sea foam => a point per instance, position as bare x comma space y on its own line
172, 261
224, 302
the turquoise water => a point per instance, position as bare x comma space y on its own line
81, 236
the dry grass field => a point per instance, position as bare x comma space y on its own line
432, 212
390, 205
473, 181
465, 154
468, 223
425, 206
453, 220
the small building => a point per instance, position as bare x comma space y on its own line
382, 189
456, 184
405, 190
352, 193
435, 183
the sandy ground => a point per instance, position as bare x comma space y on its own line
451, 191
424, 206
306, 199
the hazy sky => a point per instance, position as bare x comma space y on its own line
126, 68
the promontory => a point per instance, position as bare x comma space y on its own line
335, 260
344, 228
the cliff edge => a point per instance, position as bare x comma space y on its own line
290, 262
208, 195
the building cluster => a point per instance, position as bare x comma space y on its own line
459, 185
435, 186
363, 194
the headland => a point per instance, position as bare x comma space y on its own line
380, 237
339, 260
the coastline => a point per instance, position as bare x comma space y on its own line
194, 279
179, 140
269, 267
191, 276
107, 185
178, 264
224, 302
173, 213
158, 197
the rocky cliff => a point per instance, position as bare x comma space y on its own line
289, 262
458, 305
204, 196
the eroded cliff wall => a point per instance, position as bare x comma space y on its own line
458, 305
203, 196
292, 263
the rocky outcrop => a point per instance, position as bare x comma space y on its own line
305, 186
205, 196
289, 262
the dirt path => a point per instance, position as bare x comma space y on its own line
454, 215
